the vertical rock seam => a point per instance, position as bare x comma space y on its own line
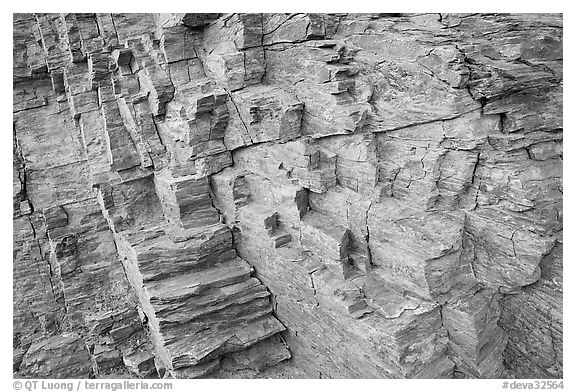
287, 195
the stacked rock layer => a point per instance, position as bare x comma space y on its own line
287, 195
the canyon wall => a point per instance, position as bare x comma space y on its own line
287, 195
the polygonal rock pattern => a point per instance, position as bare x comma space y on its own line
287, 195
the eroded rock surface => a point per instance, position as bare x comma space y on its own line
287, 195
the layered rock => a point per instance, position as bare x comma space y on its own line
127, 238
287, 195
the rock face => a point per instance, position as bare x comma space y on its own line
287, 195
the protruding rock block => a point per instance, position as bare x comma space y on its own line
196, 20
178, 43
47, 139
204, 344
237, 311
294, 28
195, 127
505, 255
264, 224
132, 204
412, 343
306, 165
267, 353
165, 252
348, 208
202, 107
537, 110
230, 193
132, 25
342, 296
268, 114
61, 356
328, 240
98, 68
533, 321
320, 82
235, 56
476, 341
175, 288
186, 201
429, 265
121, 149
52, 30
29, 58
55, 217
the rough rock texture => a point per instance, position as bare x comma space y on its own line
287, 195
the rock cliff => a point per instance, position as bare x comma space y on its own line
287, 195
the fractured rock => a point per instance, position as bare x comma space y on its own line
287, 195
